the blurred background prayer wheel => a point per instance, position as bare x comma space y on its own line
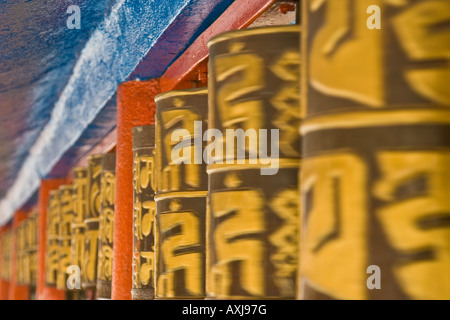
79, 198
181, 190
376, 145
91, 223
106, 226
64, 234
52, 248
144, 213
253, 188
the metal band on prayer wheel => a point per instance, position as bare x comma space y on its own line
6, 255
52, 247
91, 222
143, 213
64, 235
376, 146
106, 226
181, 190
80, 207
253, 210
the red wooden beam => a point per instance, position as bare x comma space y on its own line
239, 15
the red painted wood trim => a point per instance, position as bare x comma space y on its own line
42, 291
239, 15
4, 285
17, 292
135, 107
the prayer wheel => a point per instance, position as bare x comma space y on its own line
106, 226
376, 150
253, 170
22, 257
144, 213
52, 247
181, 190
6, 255
64, 234
91, 223
79, 198
32, 236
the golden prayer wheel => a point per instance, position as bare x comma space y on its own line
106, 226
181, 190
375, 176
64, 234
144, 213
6, 255
32, 236
253, 196
52, 247
22, 256
91, 223
80, 207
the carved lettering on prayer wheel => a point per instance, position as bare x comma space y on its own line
253, 218
91, 222
144, 213
376, 148
181, 191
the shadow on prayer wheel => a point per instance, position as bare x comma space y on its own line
254, 163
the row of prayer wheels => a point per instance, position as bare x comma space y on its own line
316, 154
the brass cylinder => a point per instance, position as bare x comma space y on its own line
376, 148
52, 247
106, 225
80, 207
22, 257
181, 189
64, 234
32, 236
144, 213
91, 223
253, 212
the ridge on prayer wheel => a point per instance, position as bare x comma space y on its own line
375, 174
181, 189
253, 208
143, 213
